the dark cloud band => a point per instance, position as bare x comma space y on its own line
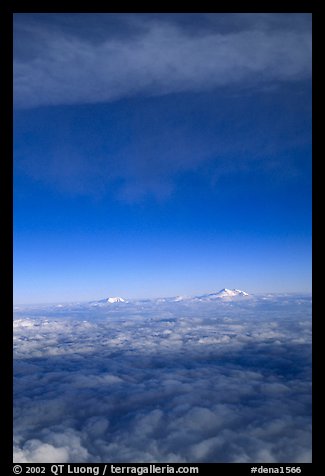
58, 66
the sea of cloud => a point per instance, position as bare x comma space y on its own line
225, 381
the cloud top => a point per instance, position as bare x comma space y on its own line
205, 382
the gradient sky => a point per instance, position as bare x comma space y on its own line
161, 154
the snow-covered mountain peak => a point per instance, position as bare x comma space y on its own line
231, 293
109, 300
113, 300
222, 294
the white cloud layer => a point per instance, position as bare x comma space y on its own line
149, 382
60, 67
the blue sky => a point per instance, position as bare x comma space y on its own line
161, 154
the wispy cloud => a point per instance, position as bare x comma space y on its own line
60, 67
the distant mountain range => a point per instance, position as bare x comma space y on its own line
222, 294
225, 294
